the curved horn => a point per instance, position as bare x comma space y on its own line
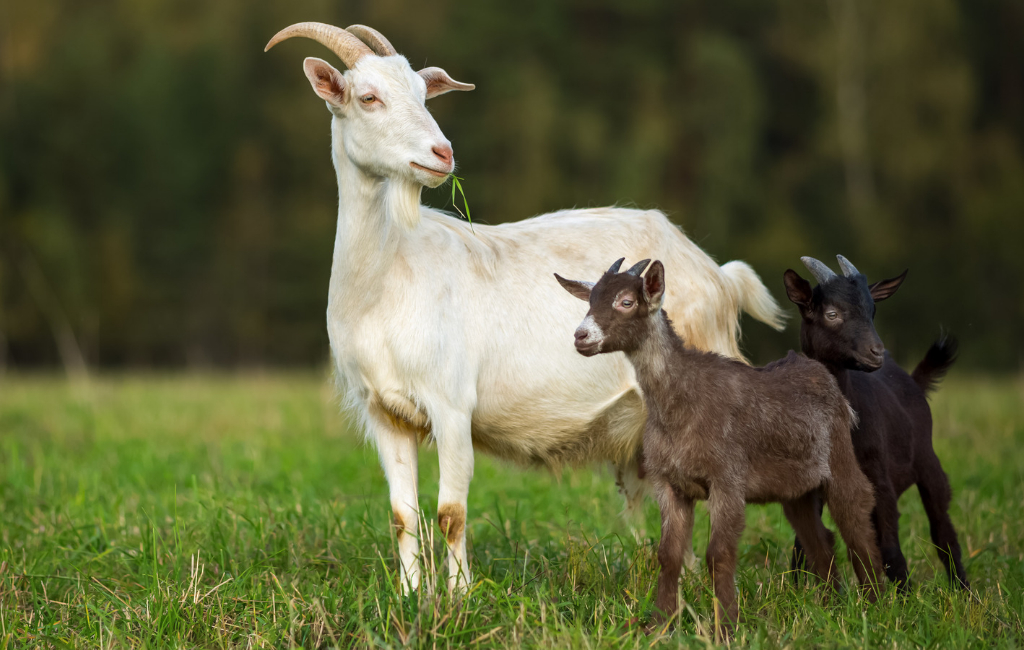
820, 272
348, 48
380, 45
614, 268
638, 268
849, 270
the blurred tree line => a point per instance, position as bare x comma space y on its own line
167, 197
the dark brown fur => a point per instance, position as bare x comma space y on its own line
893, 441
399, 526
732, 434
451, 519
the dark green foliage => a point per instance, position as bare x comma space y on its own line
173, 183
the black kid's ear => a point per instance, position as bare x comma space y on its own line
798, 289
885, 288
579, 289
439, 83
654, 285
327, 82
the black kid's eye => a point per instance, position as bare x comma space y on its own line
831, 315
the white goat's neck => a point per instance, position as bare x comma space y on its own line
374, 214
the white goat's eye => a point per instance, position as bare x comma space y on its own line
368, 99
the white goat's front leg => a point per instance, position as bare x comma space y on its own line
399, 452
455, 456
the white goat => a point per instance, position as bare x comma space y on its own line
464, 337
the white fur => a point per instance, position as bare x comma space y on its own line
466, 337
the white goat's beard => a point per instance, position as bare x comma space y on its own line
435, 182
402, 202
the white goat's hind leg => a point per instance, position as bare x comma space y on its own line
399, 451
455, 456
633, 490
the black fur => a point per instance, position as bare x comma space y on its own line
936, 363
893, 441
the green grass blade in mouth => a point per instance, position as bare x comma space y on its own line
457, 185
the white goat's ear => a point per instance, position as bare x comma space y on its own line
579, 289
654, 285
439, 83
326, 81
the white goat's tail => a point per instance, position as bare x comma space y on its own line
752, 296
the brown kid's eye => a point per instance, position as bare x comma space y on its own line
627, 303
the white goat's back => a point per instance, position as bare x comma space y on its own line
478, 321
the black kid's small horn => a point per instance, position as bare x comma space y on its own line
820, 272
849, 270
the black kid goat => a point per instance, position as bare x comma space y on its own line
893, 441
720, 430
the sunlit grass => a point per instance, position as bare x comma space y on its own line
219, 511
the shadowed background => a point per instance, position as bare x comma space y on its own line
167, 197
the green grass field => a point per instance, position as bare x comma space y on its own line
224, 511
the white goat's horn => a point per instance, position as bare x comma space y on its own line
348, 48
380, 45
849, 270
820, 272
614, 268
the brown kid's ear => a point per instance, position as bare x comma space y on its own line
654, 285
439, 83
579, 289
798, 289
885, 288
326, 81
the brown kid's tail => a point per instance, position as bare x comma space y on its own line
935, 364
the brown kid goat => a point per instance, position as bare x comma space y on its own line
723, 431
893, 440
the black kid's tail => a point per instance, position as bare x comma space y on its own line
935, 364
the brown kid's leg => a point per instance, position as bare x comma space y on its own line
676, 527
804, 515
851, 499
798, 563
728, 517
